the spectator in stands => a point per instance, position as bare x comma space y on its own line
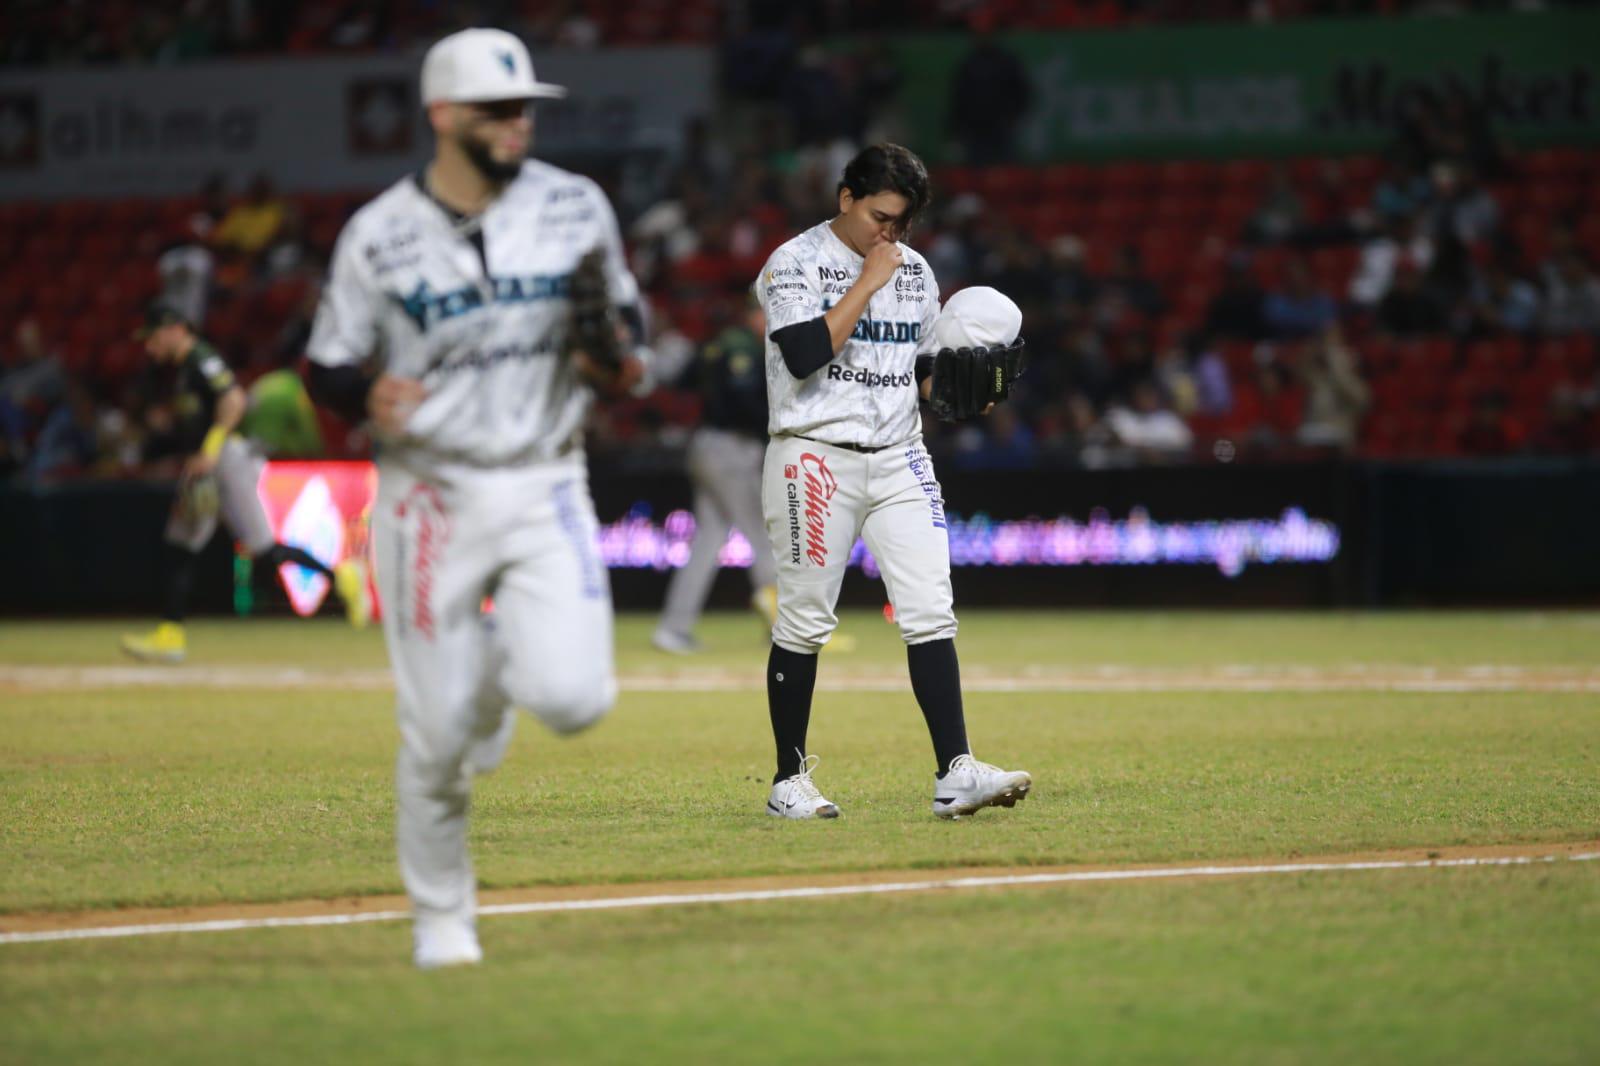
252, 224
1336, 396
1381, 257
1069, 282
1281, 212
1328, 217
1408, 308
186, 269
1450, 279
32, 382
1209, 371
989, 97
1006, 443
961, 242
1088, 365
1460, 206
1235, 312
69, 440
1127, 292
1019, 271
1300, 309
1147, 428
1572, 303
1404, 192
1173, 373
1084, 435
1269, 408
203, 221
668, 232
1502, 302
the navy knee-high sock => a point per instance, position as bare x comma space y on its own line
180, 576
279, 554
936, 680
791, 676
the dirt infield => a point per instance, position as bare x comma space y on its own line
1110, 678
359, 908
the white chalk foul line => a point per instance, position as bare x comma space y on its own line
1227, 678
813, 892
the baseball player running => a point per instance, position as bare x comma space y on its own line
470, 312
219, 477
850, 349
724, 462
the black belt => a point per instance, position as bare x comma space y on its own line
861, 448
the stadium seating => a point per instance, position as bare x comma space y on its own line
97, 259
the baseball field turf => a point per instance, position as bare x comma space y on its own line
260, 772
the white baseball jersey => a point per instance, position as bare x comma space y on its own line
868, 394
483, 335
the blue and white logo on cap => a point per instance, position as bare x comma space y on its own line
508, 61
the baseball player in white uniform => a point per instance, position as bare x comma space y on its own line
447, 320
850, 348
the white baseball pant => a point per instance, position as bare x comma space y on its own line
818, 498
228, 492
527, 538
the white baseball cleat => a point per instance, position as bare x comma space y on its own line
797, 796
970, 785
445, 940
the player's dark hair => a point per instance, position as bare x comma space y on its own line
890, 168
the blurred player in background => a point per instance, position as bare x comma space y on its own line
219, 480
724, 461
472, 310
850, 348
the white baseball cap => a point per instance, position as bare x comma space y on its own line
979, 316
475, 66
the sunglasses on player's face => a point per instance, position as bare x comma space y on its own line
499, 110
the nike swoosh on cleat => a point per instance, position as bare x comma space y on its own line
774, 808
944, 799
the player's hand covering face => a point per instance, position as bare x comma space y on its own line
872, 219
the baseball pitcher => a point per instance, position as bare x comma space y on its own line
472, 311
850, 350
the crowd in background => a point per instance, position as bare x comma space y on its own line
1277, 360
35, 32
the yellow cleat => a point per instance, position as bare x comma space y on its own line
164, 644
350, 579
765, 602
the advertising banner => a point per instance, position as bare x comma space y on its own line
308, 123
325, 508
1316, 86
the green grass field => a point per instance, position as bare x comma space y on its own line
211, 793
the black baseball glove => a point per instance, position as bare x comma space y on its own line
967, 380
593, 328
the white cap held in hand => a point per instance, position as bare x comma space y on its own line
978, 317
476, 66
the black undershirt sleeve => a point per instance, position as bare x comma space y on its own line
924, 369
341, 389
806, 346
